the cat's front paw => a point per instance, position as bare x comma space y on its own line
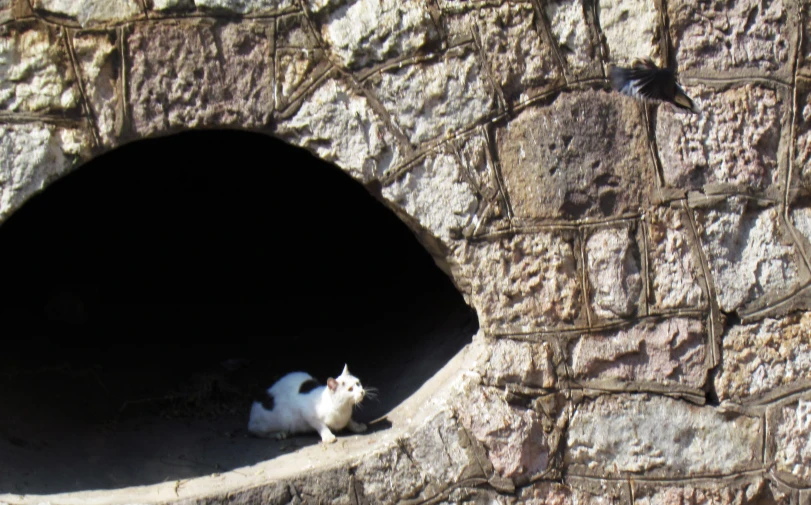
328, 438
281, 435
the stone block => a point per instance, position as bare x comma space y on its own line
612, 262
389, 477
631, 29
327, 487
437, 193
34, 154
523, 363
802, 144
756, 491
739, 37
363, 32
552, 493
791, 441
519, 59
674, 261
339, 126
765, 357
91, 12
297, 72
438, 97
292, 31
36, 75
99, 64
612, 436
585, 155
170, 6
524, 283
671, 352
567, 21
198, 74
734, 140
245, 7
514, 438
439, 450
749, 254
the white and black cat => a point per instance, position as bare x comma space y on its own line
296, 403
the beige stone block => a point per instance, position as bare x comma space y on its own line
671, 352
585, 155
657, 436
735, 139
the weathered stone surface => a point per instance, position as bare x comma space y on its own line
246, 6
193, 75
330, 487
792, 440
437, 193
296, 71
756, 492
362, 32
35, 73
33, 155
552, 493
631, 29
6, 13
518, 58
745, 35
612, 259
734, 140
513, 437
171, 5
292, 31
389, 476
801, 219
613, 435
748, 258
802, 149
761, 357
436, 98
571, 33
91, 12
556, 167
674, 266
98, 60
669, 352
524, 283
474, 156
339, 126
524, 363
475, 496
438, 450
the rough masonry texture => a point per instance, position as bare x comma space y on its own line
641, 275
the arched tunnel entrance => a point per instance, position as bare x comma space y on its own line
149, 295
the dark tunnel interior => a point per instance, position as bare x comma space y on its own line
149, 295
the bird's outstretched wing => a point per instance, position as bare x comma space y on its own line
647, 82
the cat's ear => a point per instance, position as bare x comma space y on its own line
346, 370
332, 384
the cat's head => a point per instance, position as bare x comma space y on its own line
346, 387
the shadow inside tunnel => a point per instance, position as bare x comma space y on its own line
149, 295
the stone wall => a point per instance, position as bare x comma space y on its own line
640, 274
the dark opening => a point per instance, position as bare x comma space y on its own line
149, 295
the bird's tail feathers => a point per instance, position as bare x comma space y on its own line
683, 101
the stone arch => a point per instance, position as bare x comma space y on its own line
625, 260
145, 319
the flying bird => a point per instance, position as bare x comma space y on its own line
649, 83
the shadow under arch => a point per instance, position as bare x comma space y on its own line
148, 296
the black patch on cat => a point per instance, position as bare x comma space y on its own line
268, 401
308, 386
